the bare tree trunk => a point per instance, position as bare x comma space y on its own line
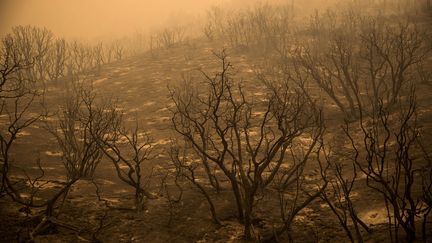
238, 198
210, 202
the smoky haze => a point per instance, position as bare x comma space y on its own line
94, 19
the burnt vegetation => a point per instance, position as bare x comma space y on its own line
299, 121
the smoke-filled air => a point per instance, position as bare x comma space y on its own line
216, 121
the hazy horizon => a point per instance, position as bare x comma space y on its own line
96, 19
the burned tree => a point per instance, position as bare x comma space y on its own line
80, 151
34, 44
385, 154
57, 60
338, 194
17, 96
76, 122
190, 170
248, 141
129, 150
363, 61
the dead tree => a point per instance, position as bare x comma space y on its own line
129, 150
57, 60
363, 62
189, 170
108, 53
392, 56
168, 37
98, 56
43, 41
209, 31
426, 185
34, 44
17, 96
25, 46
263, 27
118, 50
81, 58
293, 190
246, 141
80, 152
386, 157
77, 121
177, 175
338, 194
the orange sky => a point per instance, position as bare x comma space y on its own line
96, 18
